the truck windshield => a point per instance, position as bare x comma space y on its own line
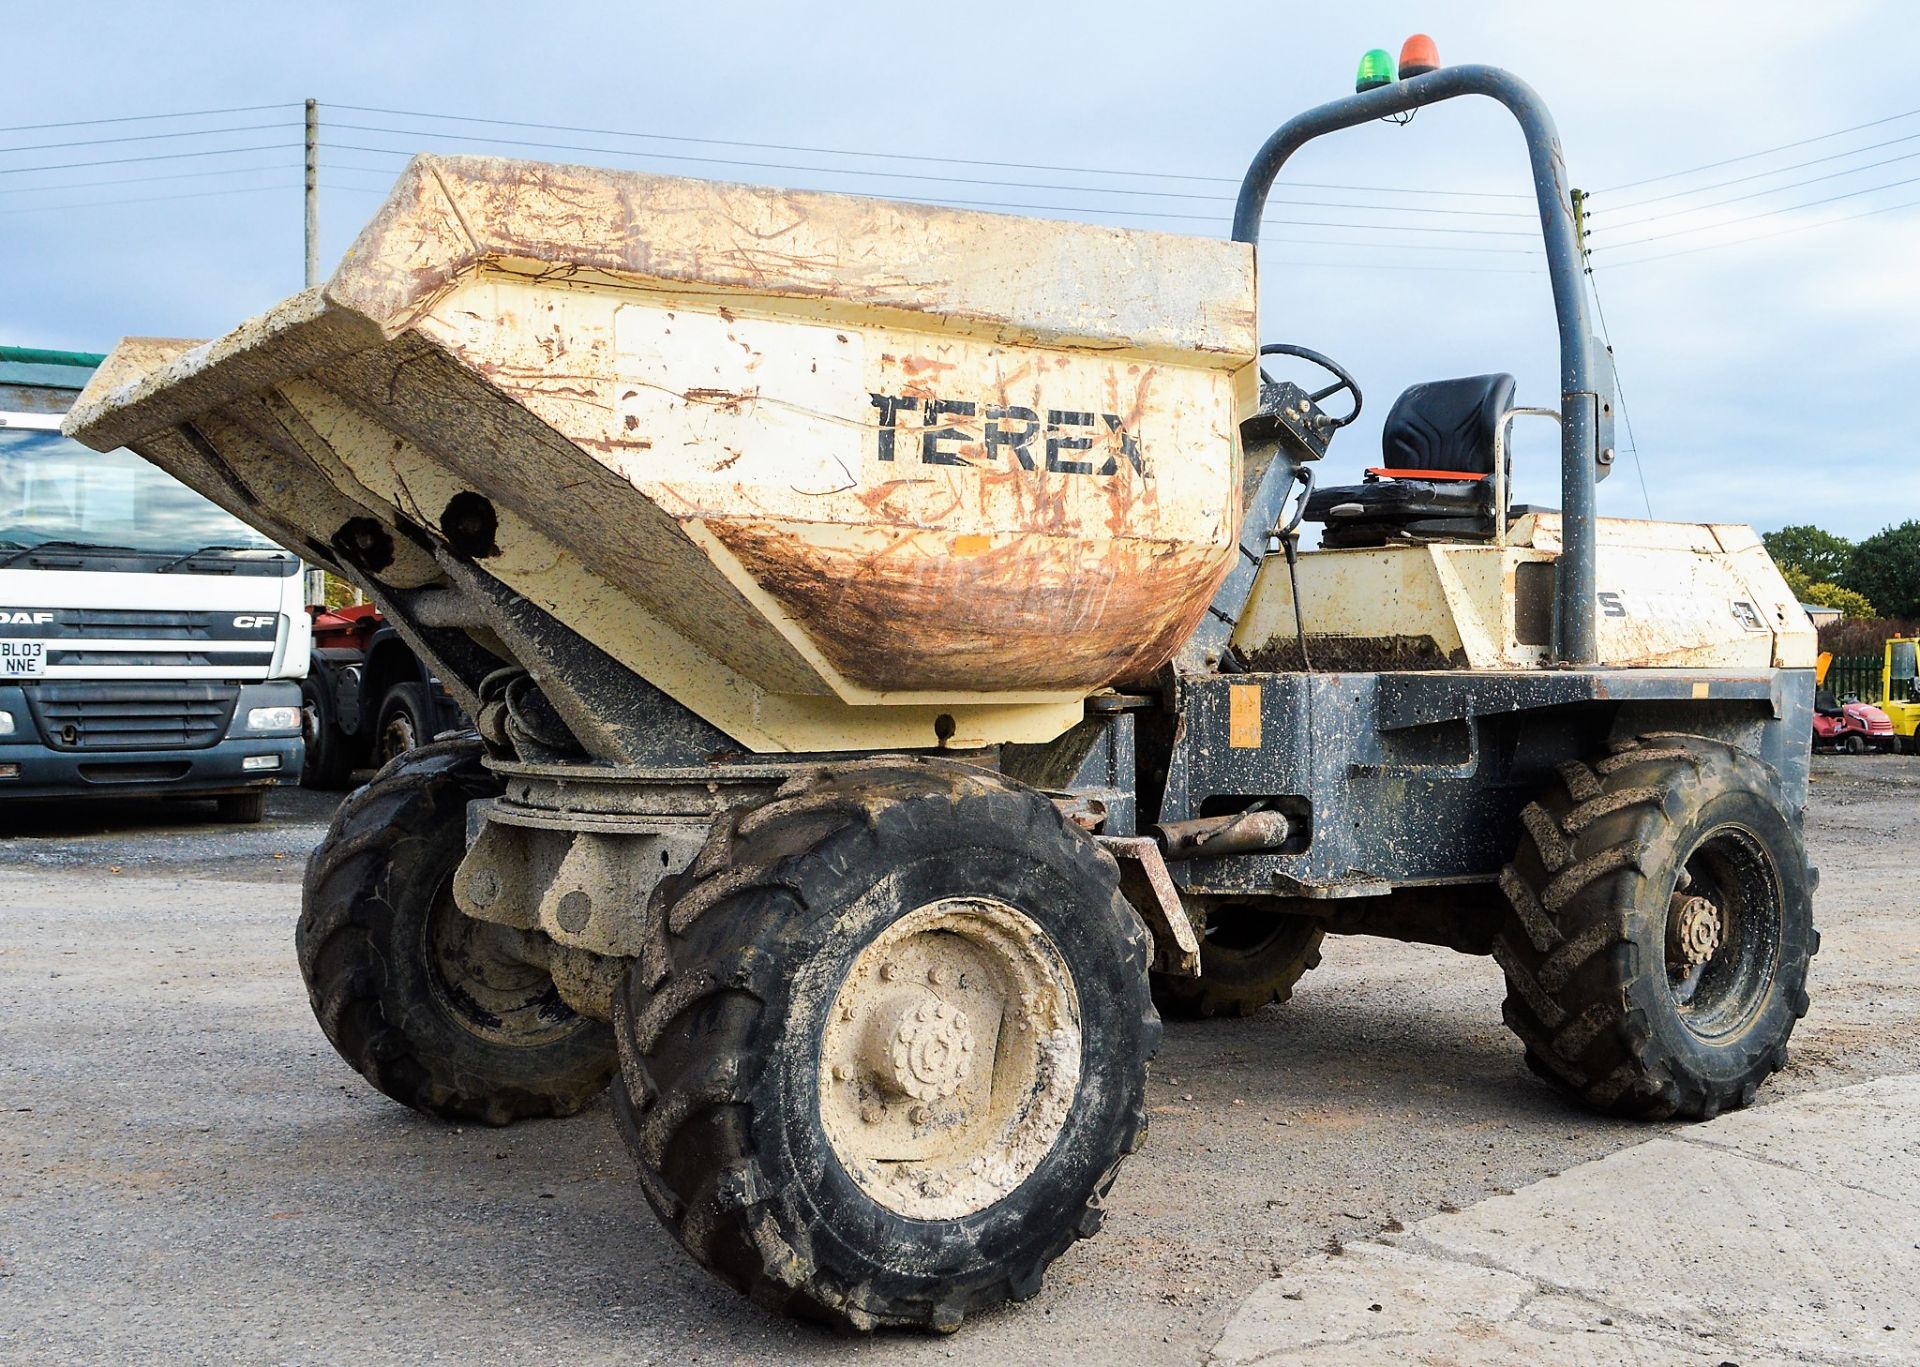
1901, 667
53, 490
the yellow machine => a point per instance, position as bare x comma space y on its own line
895, 687
1900, 691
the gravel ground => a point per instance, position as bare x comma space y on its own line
187, 1172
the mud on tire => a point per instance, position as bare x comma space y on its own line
1250, 957
724, 1019
1613, 1001
436, 1010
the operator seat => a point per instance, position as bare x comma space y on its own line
1436, 479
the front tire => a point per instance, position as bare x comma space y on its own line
451, 1016
1659, 928
887, 1052
329, 760
242, 809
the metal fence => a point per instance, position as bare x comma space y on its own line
1855, 676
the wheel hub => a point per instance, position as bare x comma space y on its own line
950, 1058
922, 1050
1694, 931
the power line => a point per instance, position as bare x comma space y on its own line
143, 180
1777, 171
144, 118
1764, 152
1048, 208
1106, 211
162, 156
1762, 237
905, 156
145, 199
1762, 194
890, 175
1619, 385
1207, 218
145, 137
1749, 218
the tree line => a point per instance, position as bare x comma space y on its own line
1877, 577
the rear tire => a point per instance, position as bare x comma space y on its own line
1659, 928
1250, 957
783, 1160
405, 723
242, 809
449, 1015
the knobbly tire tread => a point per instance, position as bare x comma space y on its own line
693, 1070
1239, 985
1577, 926
343, 943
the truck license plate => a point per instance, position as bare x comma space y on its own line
23, 659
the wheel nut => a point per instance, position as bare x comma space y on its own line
873, 1113
938, 976
889, 972
922, 1115
839, 1072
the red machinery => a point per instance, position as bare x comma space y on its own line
1855, 727
367, 697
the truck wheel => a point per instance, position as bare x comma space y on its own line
1249, 957
405, 722
888, 1047
452, 1016
329, 761
242, 809
1659, 928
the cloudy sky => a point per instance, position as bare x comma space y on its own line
1767, 348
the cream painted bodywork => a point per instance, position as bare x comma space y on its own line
666, 390
1671, 595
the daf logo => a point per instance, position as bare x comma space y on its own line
249, 623
20, 617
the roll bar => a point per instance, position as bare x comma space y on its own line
1582, 408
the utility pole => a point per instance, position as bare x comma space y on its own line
313, 193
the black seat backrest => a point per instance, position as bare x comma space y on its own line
1447, 425
1826, 704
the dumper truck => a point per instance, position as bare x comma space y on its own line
896, 684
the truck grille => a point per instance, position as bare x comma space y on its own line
131, 716
94, 624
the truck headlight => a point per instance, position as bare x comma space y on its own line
6, 723
273, 719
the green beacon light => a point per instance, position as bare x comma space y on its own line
1376, 70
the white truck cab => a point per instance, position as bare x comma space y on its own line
150, 644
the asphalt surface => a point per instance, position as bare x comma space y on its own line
188, 1173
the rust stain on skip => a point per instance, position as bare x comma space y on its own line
904, 612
